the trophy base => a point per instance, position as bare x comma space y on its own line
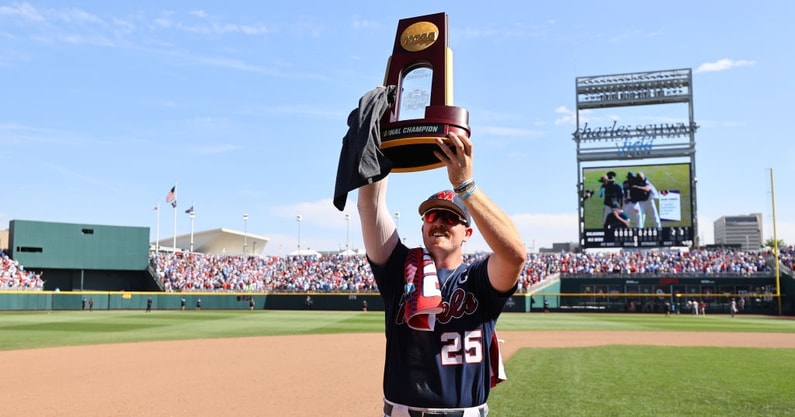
410, 144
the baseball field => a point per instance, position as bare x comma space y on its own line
320, 363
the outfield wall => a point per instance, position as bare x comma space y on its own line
572, 293
649, 294
124, 300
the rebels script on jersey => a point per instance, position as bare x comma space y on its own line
428, 369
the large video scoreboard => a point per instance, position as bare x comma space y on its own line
636, 163
663, 219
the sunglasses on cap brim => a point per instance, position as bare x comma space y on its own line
448, 217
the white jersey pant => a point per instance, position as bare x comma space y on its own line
399, 410
643, 214
635, 214
649, 212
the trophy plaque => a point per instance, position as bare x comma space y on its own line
421, 66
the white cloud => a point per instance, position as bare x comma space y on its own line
123, 26
30, 13
568, 117
163, 22
22, 10
723, 65
75, 16
542, 230
586, 116
508, 131
537, 231
199, 13
323, 227
361, 23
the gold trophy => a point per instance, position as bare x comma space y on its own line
421, 66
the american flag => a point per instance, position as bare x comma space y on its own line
171, 197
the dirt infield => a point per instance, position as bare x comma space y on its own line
329, 375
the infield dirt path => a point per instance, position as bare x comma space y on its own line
302, 376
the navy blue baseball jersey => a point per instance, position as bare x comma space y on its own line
449, 367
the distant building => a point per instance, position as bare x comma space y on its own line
4, 239
215, 242
561, 247
743, 230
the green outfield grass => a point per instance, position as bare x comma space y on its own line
647, 381
26, 330
594, 381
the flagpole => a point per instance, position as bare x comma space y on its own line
174, 244
157, 229
174, 205
775, 241
192, 216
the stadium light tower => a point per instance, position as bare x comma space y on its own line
298, 218
245, 233
192, 217
347, 233
397, 221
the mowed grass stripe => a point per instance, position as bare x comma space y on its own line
647, 381
21, 330
35, 330
645, 322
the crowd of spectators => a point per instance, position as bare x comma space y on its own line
13, 276
197, 272
787, 256
340, 273
693, 262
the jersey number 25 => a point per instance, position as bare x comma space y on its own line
458, 348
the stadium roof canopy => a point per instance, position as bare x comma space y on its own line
217, 242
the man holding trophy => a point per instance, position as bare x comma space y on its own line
442, 354
448, 366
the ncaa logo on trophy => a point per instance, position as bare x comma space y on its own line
421, 66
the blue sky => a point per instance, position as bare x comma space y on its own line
107, 105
